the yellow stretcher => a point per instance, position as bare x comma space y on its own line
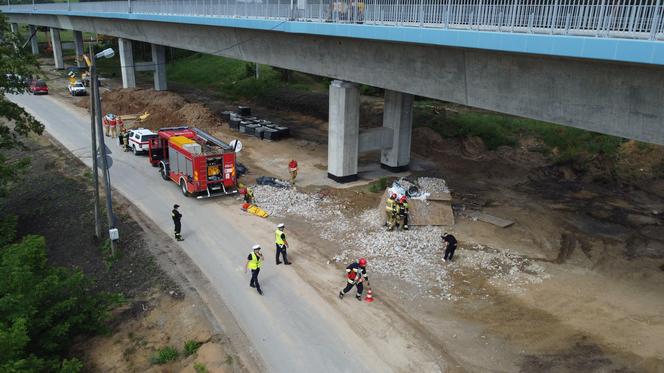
255, 210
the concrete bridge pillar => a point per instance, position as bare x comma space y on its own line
78, 48
14, 28
398, 117
127, 63
159, 62
344, 130
57, 49
34, 43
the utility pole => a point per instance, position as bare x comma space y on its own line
95, 170
102, 146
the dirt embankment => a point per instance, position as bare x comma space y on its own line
54, 199
166, 109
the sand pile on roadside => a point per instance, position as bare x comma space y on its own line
198, 115
166, 109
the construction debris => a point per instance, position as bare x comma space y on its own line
242, 121
500, 222
412, 256
423, 211
272, 181
432, 185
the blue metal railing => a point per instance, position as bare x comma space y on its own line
630, 19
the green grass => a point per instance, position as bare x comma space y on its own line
200, 368
379, 186
231, 78
190, 347
565, 143
235, 79
165, 355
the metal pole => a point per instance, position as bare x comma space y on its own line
102, 150
129, 6
655, 21
95, 170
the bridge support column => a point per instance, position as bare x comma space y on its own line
14, 28
34, 43
57, 49
78, 47
344, 130
159, 61
127, 63
398, 117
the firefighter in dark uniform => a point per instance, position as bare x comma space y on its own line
356, 274
282, 243
254, 262
175, 214
450, 243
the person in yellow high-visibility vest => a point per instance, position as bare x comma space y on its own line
282, 243
254, 263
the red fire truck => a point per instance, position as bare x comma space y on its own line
202, 165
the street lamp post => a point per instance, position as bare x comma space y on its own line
95, 169
106, 53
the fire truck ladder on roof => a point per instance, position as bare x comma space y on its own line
209, 138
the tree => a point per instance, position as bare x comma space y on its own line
16, 67
42, 309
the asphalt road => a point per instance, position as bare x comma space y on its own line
291, 326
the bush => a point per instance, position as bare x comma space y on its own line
190, 347
165, 355
43, 308
379, 186
200, 368
564, 143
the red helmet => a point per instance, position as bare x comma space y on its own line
393, 196
402, 199
362, 262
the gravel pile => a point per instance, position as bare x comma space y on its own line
286, 201
413, 256
432, 185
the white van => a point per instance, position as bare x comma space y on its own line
138, 139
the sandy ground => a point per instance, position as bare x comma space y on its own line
599, 307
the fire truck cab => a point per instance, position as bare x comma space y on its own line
202, 165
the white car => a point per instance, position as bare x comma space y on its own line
77, 89
139, 138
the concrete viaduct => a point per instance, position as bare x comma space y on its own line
610, 82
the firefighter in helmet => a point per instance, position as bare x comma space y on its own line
391, 210
356, 274
403, 212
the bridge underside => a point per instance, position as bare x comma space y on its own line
625, 100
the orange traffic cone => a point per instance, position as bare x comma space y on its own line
369, 297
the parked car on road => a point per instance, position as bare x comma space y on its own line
77, 88
139, 138
38, 87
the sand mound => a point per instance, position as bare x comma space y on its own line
166, 109
198, 115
